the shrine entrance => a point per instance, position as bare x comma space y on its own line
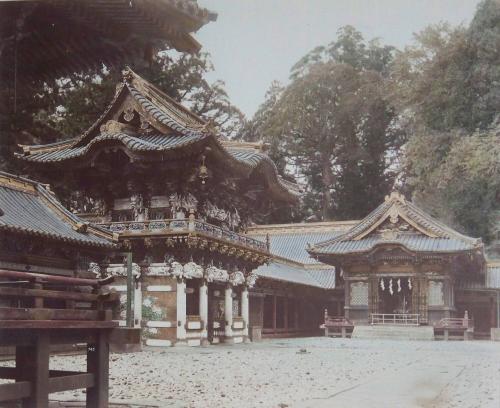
395, 295
216, 321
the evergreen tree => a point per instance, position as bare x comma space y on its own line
331, 127
448, 85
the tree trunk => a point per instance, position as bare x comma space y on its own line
327, 178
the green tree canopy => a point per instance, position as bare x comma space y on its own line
447, 86
332, 126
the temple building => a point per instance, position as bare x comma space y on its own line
52, 296
399, 261
180, 198
185, 203
293, 289
39, 235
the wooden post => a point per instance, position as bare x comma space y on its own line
32, 364
228, 314
203, 299
274, 313
130, 291
38, 301
296, 314
285, 313
98, 364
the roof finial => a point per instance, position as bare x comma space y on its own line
395, 196
127, 74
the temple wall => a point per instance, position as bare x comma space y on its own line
432, 295
159, 310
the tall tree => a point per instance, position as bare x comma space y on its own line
332, 126
448, 85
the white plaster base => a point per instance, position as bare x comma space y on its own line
495, 334
158, 343
194, 342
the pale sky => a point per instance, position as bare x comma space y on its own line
254, 42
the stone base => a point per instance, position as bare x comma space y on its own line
247, 340
181, 343
394, 332
229, 340
495, 334
255, 333
204, 342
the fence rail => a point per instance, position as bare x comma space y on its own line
403, 319
184, 226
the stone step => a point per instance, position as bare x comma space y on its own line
394, 332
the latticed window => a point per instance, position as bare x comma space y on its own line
359, 294
435, 293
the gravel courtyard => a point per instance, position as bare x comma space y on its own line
329, 373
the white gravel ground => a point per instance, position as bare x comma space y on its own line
331, 373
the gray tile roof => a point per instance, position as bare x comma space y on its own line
28, 207
185, 127
323, 278
414, 242
293, 246
136, 143
428, 235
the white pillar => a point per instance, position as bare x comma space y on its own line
137, 305
204, 312
245, 311
181, 312
228, 314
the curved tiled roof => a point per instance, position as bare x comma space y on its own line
30, 208
292, 246
184, 128
428, 235
321, 278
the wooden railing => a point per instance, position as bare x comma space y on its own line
455, 323
24, 296
38, 310
337, 321
402, 319
337, 325
184, 225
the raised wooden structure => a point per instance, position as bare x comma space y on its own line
51, 294
454, 328
337, 325
402, 264
47, 310
180, 198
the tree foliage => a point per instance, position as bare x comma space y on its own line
332, 126
448, 84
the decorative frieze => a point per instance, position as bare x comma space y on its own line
237, 278
121, 270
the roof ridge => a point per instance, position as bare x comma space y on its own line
131, 78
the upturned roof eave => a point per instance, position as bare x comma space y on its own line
139, 89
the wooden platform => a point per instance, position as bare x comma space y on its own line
44, 310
